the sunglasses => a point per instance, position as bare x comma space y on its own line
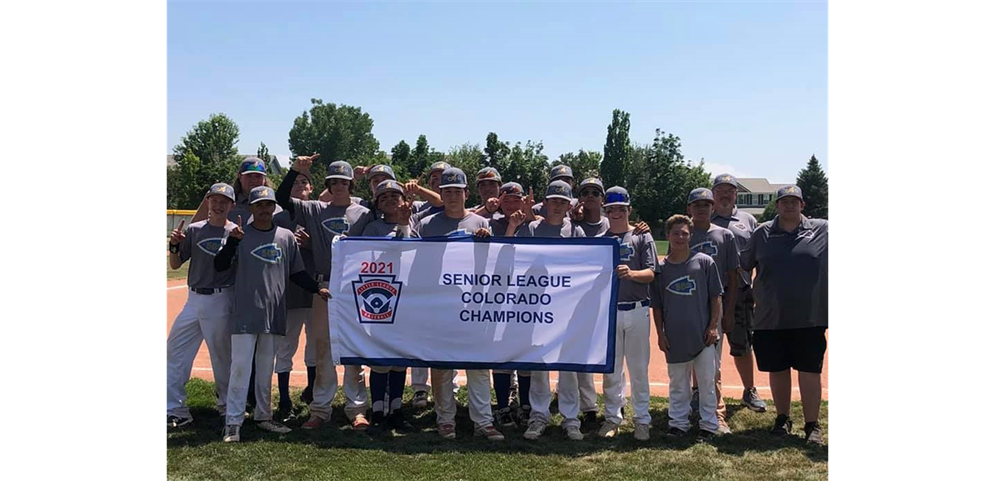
590, 193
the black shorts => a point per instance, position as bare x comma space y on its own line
800, 349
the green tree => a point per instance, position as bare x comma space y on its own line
769, 211
263, 153
467, 157
527, 165
584, 163
664, 179
815, 187
205, 155
422, 157
618, 150
496, 153
400, 155
337, 132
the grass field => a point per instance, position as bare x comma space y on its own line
336, 452
661, 247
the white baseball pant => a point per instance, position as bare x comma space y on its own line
632, 334
286, 346
357, 398
326, 380
242, 348
204, 317
588, 393
567, 394
680, 391
478, 394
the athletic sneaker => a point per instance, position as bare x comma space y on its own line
589, 417
694, 401
231, 433
723, 427
314, 422
676, 433
378, 426
176, 421
608, 430
420, 400
447, 430
704, 436
642, 432
359, 423
782, 426
535, 429
504, 418
573, 433
489, 432
524, 414
273, 427
396, 421
752, 401
813, 433
306, 395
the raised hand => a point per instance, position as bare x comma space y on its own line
529, 203
177, 236
303, 238
359, 171
237, 231
302, 163
411, 189
404, 213
516, 218
493, 204
577, 213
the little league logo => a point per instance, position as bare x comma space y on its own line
210, 246
376, 299
336, 225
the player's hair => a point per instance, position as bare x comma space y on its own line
237, 185
676, 219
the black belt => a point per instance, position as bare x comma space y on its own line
208, 290
628, 306
319, 278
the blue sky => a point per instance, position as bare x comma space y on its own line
744, 84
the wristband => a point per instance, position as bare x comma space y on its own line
174, 248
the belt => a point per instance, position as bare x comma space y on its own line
209, 290
320, 278
628, 306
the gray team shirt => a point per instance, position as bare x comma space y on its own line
202, 242
720, 244
424, 211
638, 252
242, 209
683, 291
264, 262
324, 221
382, 228
596, 229
499, 226
540, 228
441, 225
742, 224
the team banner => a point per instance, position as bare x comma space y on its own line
503, 303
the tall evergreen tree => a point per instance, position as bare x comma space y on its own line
815, 187
615, 165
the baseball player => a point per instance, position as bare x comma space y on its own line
720, 245
388, 382
323, 221
741, 224
635, 272
514, 212
488, 187
206, 313
265, 256
457, 219
419, 375
554, 224
561, 172
298, 308
685, 296
589, 205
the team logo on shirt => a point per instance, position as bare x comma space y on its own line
459, 233
683, 286
336, 225
376, 299
806, 234
210, 246
625, 250
708, 248
268, 253
740, 226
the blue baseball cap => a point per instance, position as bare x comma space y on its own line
701, 193
339, 169
389, 185
616, 196
559, 189
790, 191
261, 193
560, 171
513, 188
381, 169
222, 189
488, 173
724, 179
252, 165
592, 182
453, 177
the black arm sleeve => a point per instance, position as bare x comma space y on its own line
305, 281
283, 192
222, 261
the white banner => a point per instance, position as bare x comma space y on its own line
503, 303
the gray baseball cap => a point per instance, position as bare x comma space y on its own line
724, 179
440, 165
616, 196
592, 182
513, 188
252, 165
223, 189
559, 171
701, 193
488, 173
559, 189
790, 191
453, 177
339, 169
261, 193
389, 185
381, 169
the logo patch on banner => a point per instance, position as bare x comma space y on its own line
376, 298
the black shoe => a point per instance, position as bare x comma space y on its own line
396, 421
623, 412
523, 414
286, 414
504, 419
782, 426
813, 434
694, 402
177, 422
378, 425
704, 436
306, 395
589, 418
676, 433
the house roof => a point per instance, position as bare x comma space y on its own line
274, 164
759, 185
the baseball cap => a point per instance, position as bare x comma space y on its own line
222, 188
513, 188
488, 173
561, 170
261, 193
559, 189
593, 182
381, 169
389, 185
453, 177
789, 191
724, 179
616, 196
339, 169
252, 165
701, 193
440, 165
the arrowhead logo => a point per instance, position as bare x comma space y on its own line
625, 251
268, 253
376, 299
336, 225
459, 233
210, 246
708, 248
683, 286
